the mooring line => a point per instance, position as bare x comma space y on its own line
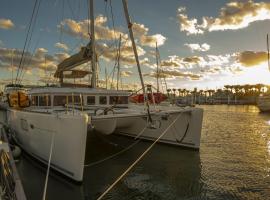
48, 169
138, 159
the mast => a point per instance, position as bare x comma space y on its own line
157, 67
92, 27
268, 56
134, 46
106, 78
12, 64
118, 61
137, 58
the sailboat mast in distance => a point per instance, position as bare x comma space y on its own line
157, 67
118, 61
268, 56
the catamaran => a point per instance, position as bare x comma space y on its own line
53, 123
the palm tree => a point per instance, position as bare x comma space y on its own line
179, 92
174, 90
168, 92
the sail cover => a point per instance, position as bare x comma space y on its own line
73, 74
75, 60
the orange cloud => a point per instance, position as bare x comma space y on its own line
251, 58
6, 24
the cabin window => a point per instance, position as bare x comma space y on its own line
34, 101
103, 100
76, 99
91, 100
59, 100
63, 100
44, 100
118, 100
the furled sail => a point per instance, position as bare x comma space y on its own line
75, 60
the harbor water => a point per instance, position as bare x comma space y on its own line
233, 163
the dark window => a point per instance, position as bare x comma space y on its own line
59, 100
63, 100
75, 99
34, 100
44, 100
118, 100
103, 100
91, 100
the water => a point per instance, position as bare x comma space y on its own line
233, 163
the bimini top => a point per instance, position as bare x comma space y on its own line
70, 90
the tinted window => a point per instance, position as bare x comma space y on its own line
76, 99
44, 100
34, 100
59, 100
63, 100
103, 100
118, 100
91, 100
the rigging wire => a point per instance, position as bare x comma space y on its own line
28, 45
268, 56
30, 60
26, 40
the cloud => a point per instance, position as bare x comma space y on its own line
40, 60
251, 58
152, 40
6, 23
193, 59
126, 55
173, 61
102, 32
188, 25
234, 15
174, 74
61, 46
80, 29
198, 47
126, 73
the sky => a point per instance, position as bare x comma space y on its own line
204, 44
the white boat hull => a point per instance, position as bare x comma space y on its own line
264, 103
185, 131
34, 132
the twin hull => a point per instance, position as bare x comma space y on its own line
34, 132
185, 129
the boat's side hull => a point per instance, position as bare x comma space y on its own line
34, 132
184, 126
264, 103
185, 131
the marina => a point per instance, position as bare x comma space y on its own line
134, 100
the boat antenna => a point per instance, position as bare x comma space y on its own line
157, 67
92, 38
268, 55
136, 56
118, 61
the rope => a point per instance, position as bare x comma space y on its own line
118, 153
6, 178
48, 169
138, 159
